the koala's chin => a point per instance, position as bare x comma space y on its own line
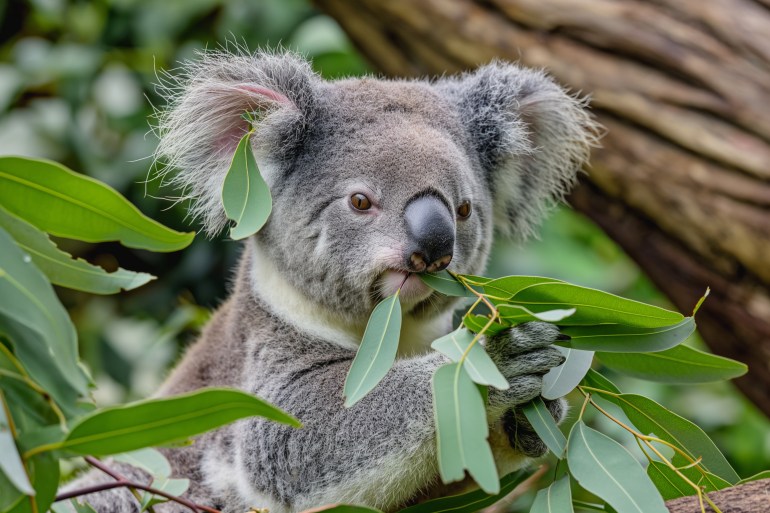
371, 180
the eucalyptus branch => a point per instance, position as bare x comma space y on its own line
479, 297
122, 481
647, 440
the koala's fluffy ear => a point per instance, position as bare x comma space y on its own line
531, 136
203, 121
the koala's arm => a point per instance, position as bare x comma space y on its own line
382, 451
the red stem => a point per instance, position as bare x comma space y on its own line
122, 481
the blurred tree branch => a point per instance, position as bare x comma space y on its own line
682, 181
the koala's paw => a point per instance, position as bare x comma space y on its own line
522, 437
523, 354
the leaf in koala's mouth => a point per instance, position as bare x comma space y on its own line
377, 351
245, 195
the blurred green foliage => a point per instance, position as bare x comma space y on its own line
77, 86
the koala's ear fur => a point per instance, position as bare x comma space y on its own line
203, 122
531, 136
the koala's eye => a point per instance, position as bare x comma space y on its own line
360, 201
464, 210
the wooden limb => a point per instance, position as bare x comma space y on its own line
752, 497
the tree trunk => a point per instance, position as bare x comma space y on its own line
682, 181
752, 497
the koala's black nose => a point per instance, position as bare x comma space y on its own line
431, 229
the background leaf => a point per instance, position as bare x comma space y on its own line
605, 468
160, 421
67, 204
556, 498
245, 195
668, 483
596, 380
545, 426
377, 351
461, 429
627, 339
10, 463
39, 328
476, 323
561, 380
61, 268
478, 364
681, 364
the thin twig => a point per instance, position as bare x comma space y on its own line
122, 481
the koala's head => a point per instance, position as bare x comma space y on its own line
372, 179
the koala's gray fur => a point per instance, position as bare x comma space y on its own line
507, 139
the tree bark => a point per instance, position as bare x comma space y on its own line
682, 180
752, 497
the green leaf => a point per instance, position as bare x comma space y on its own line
765, 474
11, 464
159, 421
561, 380
148, 459
445, 283
668, 483
38, 326
545, 426
82, 507
478, 364
681, 364
461, 429
650, 417
470, 502
476, 323
596, 380
557, 498
44, 473
509, 286
67, 204
245, 195
377, 351
708, 481
171, 486
593, 306
605, 468
518, 314
61, 268
627, 339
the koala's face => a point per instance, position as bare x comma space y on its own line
373, 179
384, 184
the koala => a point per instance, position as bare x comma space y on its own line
373, 182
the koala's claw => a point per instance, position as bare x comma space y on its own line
523, 354
522, 437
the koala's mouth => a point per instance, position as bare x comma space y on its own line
413, 289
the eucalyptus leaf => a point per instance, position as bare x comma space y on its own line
545, 426
561, 380
476, 323
44, 474
556, 498
765, 474
61, 268
619, 338
596, 380
158, 421
605, 468
461, 429
377, 351
705, 479
148, 459
176, 487
67, 204
650, 417
38, 326
505, 288
347, 508
245, 195
593, 306
445, 283
478, 364
680, 364
470, 502
11, 464
519, 314
669, 484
